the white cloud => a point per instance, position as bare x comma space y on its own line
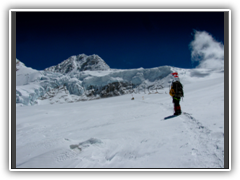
207, 51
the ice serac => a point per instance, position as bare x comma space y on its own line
84, 78
28, 88
80, 63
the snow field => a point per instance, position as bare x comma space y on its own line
119, 132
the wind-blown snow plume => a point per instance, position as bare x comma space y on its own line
207, 51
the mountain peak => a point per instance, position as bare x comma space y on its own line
19, 64
81, 62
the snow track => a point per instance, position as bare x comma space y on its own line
206, 146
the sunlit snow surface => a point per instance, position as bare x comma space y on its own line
118, 132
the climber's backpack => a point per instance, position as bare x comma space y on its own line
178, 89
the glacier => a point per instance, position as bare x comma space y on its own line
85, 77
56, 129
121, 133
89, 77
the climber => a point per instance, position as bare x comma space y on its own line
176, 92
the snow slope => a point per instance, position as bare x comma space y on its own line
118, 132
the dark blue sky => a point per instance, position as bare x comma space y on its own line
122, 39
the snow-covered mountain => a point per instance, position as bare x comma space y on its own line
85, 77
89, 77
78, 63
